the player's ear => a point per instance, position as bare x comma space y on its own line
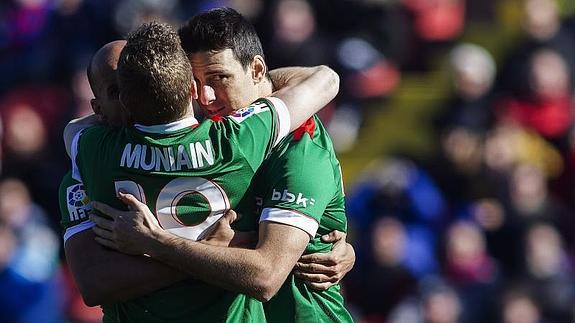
194, 90
259, 68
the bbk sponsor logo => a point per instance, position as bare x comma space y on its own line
286, 196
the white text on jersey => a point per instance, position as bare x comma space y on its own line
166, 159
291, 197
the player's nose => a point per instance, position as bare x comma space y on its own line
207, 95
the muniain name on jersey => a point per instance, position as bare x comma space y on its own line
191, 156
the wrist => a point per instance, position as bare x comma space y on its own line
157, 241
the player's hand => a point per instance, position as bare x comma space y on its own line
320, 271
127, 231
221, 234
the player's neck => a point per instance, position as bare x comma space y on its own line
266, 88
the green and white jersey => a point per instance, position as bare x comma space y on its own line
301, 185
188, 174
74, 206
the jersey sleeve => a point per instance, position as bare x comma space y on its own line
74, 127
74, 207
260, 127
299, 186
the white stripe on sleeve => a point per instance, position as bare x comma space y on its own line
290, 217
74, 127
73, 156
283, 118
83, 226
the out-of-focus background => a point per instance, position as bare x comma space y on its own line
454, 127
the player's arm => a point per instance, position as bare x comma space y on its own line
304, 90
107, 276
258, 273
104, 275
323, 270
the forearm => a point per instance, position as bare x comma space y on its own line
106, 276
258, 273
305, 90
289, 76
235, 269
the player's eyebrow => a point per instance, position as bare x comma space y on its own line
217, 70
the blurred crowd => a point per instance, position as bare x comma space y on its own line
482, 229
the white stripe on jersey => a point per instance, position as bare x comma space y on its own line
74, 127
283, 116
82, 226
290, 217
73, 155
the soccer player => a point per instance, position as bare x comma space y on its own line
120, 284
91, 264
179, 153
298, 189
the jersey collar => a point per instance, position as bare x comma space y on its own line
189, 122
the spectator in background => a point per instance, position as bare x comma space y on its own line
385, 281
435, 302
543, 28
518, 306
531, 202
472, 271
549, 273
367, 75
401, 189
30, 288
548, 106
296, 40
435, 23
462, 127
29, 153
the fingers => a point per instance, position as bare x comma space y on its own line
333, 236
316, 278
102, 222
320, 286
106, 209
314, 268
131, 201
320, 258
102, 233
106, 243
230, 216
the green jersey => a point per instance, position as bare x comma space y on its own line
188, 174
74, 206
301, 185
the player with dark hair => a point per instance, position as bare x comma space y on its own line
220, 29
299, 188
189, 173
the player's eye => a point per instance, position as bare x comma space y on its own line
220, 77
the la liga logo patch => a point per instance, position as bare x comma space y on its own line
78, 202
77, 196
242, 113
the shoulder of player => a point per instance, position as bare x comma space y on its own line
97, 131
308, 158
257, 107
317, 145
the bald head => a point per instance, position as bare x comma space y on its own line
102, 76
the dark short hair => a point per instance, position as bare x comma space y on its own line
155, 75
220, 29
